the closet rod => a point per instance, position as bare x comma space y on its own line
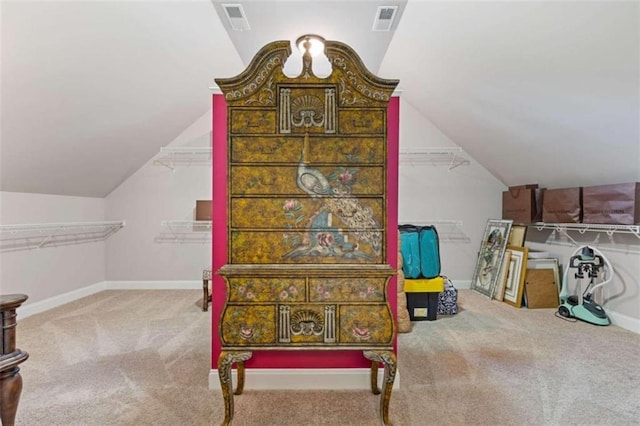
16, 228
179, 223
452, 156
171, 157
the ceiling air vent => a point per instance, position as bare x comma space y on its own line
384, 18
236, 17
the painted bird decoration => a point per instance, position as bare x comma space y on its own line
337, 206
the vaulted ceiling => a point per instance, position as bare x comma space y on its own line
545, 92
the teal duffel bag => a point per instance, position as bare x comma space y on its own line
410, 250
429, 252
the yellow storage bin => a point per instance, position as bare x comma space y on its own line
423, 285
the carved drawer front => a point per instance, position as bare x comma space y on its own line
266, 149
324, 181
351, 289
347, 150
306, 246
298, 214
357, 121
306, 324
245, 325
322, 149
250, 121
365, 324
270, 289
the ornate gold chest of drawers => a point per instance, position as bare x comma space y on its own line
306, 213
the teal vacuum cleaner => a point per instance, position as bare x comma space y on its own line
589, 263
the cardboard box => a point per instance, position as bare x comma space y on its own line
617, 204
203, 209
562, 205
522, 204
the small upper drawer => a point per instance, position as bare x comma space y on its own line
351, 289
272, 289
253, 121
357, 121
266, 149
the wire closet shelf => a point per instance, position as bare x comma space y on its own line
39, 235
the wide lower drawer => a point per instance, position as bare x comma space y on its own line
299, 213
316, 181
322, 246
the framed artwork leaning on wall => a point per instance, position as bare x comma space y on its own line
514, 286
490, 255
498, 292
517, 235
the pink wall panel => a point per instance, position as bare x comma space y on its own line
289, 359
219, 218
393, 144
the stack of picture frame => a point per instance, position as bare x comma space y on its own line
503, 261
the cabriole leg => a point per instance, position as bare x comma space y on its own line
374, 378
205, 295
225, 362
387, 358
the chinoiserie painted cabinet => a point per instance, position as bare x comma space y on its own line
306, 214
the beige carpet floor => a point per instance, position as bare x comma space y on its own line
143, 358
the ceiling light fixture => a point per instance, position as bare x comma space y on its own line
312, 43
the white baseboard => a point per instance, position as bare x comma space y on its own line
61, 299
624, 321
153, 285
462, 284
305, 378
53, 302
621, 320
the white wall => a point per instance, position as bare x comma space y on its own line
52, 270
145, 251
467, 193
